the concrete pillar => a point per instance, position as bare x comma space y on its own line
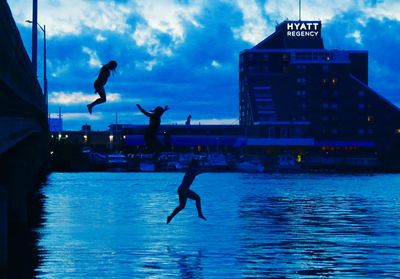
3, 228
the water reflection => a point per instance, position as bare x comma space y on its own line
330, 236
189, 264
25, 255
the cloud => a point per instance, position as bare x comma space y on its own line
82, 116
254, 26
356, 35
93, 58
144, 36
73, 98
212, 121
162, 25
381, 10
215, 64
71, 17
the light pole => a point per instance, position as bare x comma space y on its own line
34, 36
44, 65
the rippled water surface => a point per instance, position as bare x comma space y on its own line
112, 225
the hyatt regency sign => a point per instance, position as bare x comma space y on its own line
303, 28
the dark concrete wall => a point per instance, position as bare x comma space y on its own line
3, 227
23, 136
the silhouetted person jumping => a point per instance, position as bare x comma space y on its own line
150, 136
99, 83
184, 192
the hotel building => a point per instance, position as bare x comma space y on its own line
290, 77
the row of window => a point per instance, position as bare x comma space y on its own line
335, 93
326, 118
321, 56
360, 131
266, 69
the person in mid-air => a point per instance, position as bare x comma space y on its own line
184, 192
150, 136
99, 83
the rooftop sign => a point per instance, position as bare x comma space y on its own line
303, 29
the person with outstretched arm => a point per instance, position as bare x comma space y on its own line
184, 192
150, 136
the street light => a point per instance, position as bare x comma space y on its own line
44, 65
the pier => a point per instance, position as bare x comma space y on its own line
23, 138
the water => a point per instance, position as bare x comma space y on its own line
112, 225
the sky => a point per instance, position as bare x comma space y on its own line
184, 53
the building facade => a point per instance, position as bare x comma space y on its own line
291, 77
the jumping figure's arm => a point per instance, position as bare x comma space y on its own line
143, 111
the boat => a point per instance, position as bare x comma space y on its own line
252, 166
116, 163
146, 162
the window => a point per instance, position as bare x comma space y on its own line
301, 93
325, 118
284, 132
334, 81
361, 106
334, 106
301, 68
285, 69
361, 93
285, 57
301, 80
265, 57
271, 132
361, 131
325, 68
325, 106
370, 118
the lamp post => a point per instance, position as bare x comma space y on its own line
44, 64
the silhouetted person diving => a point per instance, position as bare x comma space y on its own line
184, 192
150, 136
99, 83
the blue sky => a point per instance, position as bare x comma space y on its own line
184, 53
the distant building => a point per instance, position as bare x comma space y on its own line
188, 119
291, 78
86, 128
55, 124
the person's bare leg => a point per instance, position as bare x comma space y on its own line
192, 195
182, 204
102, 99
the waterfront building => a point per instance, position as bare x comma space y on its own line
291, 77
56, 124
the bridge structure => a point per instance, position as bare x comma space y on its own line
23, 135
